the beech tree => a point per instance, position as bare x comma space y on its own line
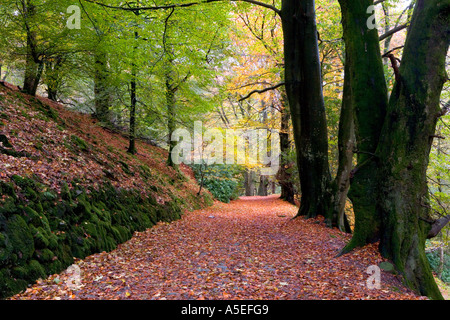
36, 29
304, 92
368, 99
303, 86
259, 42
389, 185
405, 143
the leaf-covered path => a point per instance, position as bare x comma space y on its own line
248, 249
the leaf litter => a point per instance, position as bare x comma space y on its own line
252, 249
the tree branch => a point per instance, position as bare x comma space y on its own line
394, 66
445, 109
182, 81
392, 31
261, 91
184, 5
437, 226
390, 51
166, 23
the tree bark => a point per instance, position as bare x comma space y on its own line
33, 73
406, 142
365, 76
132, 133
304, 91
249, 183
34, 64
133, 85
263, 184
441, 262
346, 143
170, 103
53, 77
102, 97
283, 176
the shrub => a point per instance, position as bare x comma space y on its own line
434, 259
223, 181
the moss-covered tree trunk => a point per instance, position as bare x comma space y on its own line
283, 175
33, 73
346, 143
133, 89
171, 89
406, 142
133, 84
304, 91
53, 77
369, 102
34, 64
102, 94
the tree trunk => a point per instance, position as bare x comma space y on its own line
304, 91
441, 262
34, 64
406, 141
52, 94
283, 176
365, 76
263, 184
102, 98
346, 143
53, 77
248, 183
170, 103
387, 27
33, 73
132, 133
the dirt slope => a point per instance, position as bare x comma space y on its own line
68, 189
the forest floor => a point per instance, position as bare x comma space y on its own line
250, 248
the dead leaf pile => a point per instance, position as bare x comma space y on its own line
74, 146
248, 249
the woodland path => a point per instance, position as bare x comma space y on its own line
250, 248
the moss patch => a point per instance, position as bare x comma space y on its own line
41, 231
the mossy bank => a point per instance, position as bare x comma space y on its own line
69, 189
42, 231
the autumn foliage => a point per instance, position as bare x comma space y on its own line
69, 189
